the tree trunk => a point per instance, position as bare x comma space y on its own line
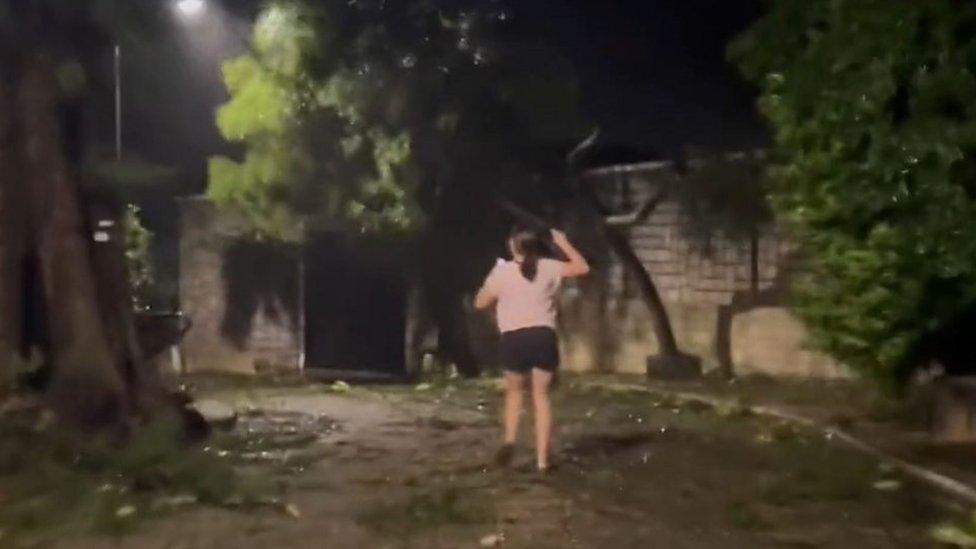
59, 292
12, 231
143, 382
86, 385
670, 361
620, 245
649, 294
446, 304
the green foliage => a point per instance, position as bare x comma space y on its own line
872, 104
138, 261
357, 113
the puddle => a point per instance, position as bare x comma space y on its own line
286, 423
276, 438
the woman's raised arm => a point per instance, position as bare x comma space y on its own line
577, 264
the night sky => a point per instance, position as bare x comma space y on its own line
653, 74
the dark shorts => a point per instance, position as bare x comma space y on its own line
522, 350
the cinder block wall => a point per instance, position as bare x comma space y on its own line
243, 298
724, 287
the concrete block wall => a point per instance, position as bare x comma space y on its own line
725, 289
242, 299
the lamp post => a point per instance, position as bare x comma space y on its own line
118, 103
187, 10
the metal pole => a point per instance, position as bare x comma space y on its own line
118, 102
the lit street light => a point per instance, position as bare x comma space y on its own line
187, 10
190, 8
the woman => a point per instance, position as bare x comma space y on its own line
524, 290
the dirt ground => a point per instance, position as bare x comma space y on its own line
410, 467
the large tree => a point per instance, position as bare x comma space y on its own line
410, 117
872, 104
64, 293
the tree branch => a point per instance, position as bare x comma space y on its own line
638, 215
524, 215
572, 157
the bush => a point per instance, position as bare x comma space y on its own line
871, 104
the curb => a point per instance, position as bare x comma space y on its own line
937, 480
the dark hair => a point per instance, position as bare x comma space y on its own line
528, 243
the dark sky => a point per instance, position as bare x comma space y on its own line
172, 85
653, 74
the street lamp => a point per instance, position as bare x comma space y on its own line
190, 8
187, 10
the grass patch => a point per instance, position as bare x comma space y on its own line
56, 484
815, 471
430, 510
746, 517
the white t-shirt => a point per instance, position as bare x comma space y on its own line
523, 303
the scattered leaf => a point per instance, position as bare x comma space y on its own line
492, 540
125, 511
293, 511
887, 485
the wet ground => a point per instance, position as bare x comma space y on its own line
402, 467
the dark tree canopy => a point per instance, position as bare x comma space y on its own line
366, 113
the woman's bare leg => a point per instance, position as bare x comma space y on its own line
541, 380
514, 389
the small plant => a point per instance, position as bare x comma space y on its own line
137, 242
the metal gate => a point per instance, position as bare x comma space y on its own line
355, 307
